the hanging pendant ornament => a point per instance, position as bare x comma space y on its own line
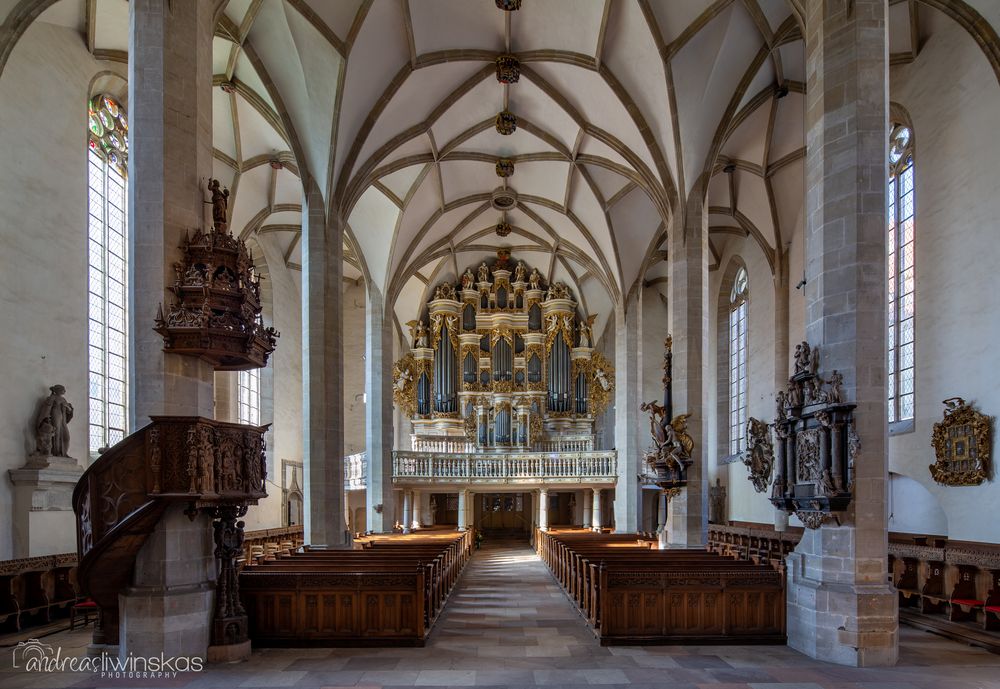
506, 122
508, 68
508, 5
505, 167
503, 228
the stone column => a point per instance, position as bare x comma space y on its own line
543, 509
168, 608
417, 510
662, 533
378, 413
322, 368
588, 504
687, 307
596, 511
170, 161
408, 510
462, 520
628, 392
840, 607
226, 397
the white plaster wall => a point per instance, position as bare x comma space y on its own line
744, 504
281, 383
913, 509
355, 303
655, 329
953, 98
43, 265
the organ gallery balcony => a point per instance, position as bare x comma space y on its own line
513, 468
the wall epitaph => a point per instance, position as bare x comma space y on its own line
961, 444
817, 444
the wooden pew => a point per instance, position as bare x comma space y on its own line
387, 591
632, 594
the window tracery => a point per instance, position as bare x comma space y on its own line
901, 272
107, 164
738, 362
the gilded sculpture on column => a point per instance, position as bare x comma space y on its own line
961, 444
671, 453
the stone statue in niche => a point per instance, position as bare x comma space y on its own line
484, 272
220, 204
780, 402
717, 503
468, 279
535, 279
52, 424
835, 394
804, 358
587, 331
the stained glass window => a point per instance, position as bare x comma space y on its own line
108, 273
248, 399
738, 362
901, 271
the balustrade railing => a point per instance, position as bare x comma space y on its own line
596, 467
355, 471
575, 443
431, 443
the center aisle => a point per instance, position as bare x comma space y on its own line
508, 605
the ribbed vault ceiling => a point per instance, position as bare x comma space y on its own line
624, 107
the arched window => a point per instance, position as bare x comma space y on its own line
108, 272
738, 362
248, 397
901, 275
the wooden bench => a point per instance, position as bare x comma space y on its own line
388, 591
631, 593
36, 590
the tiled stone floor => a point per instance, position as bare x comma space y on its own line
508, 624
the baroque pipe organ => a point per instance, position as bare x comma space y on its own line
503, 361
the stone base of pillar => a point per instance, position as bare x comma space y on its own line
229, 653
169, 608
158, 620
686, 528
831, 616
662, 542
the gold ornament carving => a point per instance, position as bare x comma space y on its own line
961, 444
405, 374
602, 383
558, 323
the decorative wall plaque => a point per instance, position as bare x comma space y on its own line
961, 444
817, 444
